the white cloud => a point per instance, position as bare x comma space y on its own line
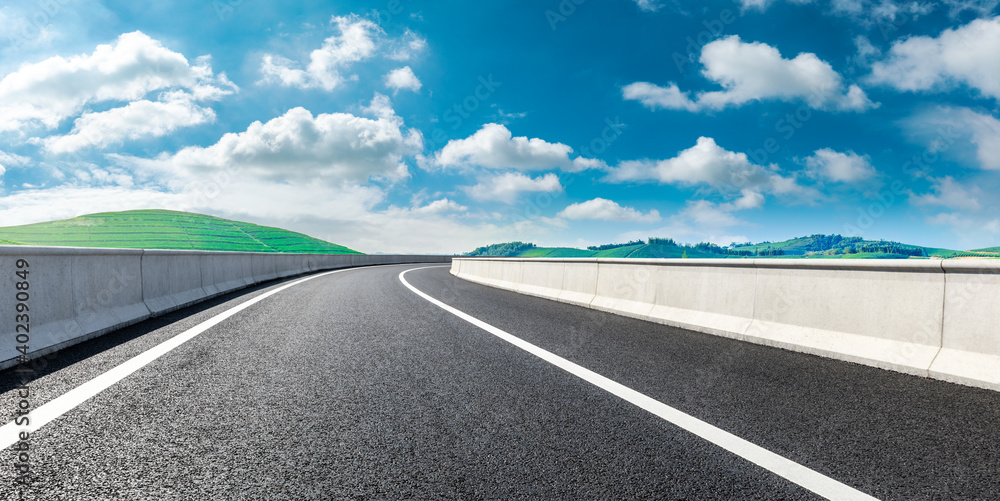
440, 206
37, 205
755, 4
46, 93
340, 214
649, 5
962, 222
402, 78
960, 132
356, 40
607, 210
707, 163
9, 159
848, 167
138, 119
749, 199
882, 12
981, 8
753, 72
964, 55
714, 215
655, 97
866, 53
706, 221
493, 147
969, 232
507, 187
951, 194
298, 147
408, 46
709, 214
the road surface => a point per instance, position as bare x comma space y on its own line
350, 385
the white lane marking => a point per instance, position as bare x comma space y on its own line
68, 401
790, 470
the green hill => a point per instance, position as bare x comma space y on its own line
163, 229
659, 248
812, 247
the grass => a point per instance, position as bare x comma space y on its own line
162, 229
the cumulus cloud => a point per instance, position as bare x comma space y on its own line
494, 147
402, 78
299, 147
355, 40
138, 119
46, 93
707, 163
507, 187
607, 210
949, 193
440, 206
755, 72
847, 167
970, 135
958, 56
655, 97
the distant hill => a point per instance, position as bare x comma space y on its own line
813, 246
163, 229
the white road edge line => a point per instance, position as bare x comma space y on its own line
790, 470
53, 409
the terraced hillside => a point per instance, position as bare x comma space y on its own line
163, 229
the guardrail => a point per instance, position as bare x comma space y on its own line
936, 319
61, 296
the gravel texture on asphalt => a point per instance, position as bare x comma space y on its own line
350, 386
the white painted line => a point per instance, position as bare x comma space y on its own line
790, 470
62, 404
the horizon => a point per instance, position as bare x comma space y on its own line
446, 127
731, 245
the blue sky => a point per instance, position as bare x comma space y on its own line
405, 126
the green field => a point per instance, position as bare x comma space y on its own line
163, 229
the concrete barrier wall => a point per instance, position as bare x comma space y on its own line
77, 294
222, 272
171, 280
929, 318
970, 337
73, 294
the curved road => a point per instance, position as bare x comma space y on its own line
350, 385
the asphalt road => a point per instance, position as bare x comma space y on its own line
350, 386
